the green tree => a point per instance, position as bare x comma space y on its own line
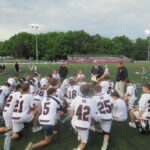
140, 49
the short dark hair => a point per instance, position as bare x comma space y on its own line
146, 85
97, 88
49, 75
7, 84
36, 74
25, 87
26, 75
85, 90
50, 91
121, 63
106, 77
115, 93
15, 75
53, 82
18, 86
127, 81
72, 82
75, 75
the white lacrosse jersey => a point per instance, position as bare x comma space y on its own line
11, 101
107, 86
23, 105
59, 93
144, 105
81, 83
65, 84
39, 96
119, 109
4, 91
56, 76
32, 89
132, 92
73, 92
43, 82
35, 68
11, 81
83, 112
103, 106
49, 111
80, 76
106, 71
36, 85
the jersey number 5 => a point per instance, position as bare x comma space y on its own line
46, 108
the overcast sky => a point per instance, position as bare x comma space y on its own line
105, 17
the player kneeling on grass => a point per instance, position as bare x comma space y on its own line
59, 93
9, 107
24, 112
73, 91
40, 95
48, 117
131, 94
107, 85
119, 110
81, 109
103, 106
142, 112
4, 92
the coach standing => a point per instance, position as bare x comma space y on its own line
63, 71
97, 70
17, 67
122, 75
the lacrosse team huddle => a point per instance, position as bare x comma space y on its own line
85, 105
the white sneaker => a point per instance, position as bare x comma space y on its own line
104, 147
92, 128
29, 146
79, 138
132, 124
36, 129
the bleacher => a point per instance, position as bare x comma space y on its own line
89, 59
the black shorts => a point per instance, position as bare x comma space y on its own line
48, 130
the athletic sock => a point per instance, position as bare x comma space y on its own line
105, 142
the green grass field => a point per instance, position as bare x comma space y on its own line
122, 137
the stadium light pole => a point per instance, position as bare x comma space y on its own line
148, 33
36, 27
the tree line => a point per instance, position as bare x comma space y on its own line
58, 45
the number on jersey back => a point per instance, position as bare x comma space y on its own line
73, 92
103, 104
83, 111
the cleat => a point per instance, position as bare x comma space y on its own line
92, 128
104, 147
132, 124
36, 129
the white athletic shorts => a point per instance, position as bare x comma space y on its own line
105, 124
18, 123
116, 118
82, 133
8, 119
131, 103
37, 102
136, 114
